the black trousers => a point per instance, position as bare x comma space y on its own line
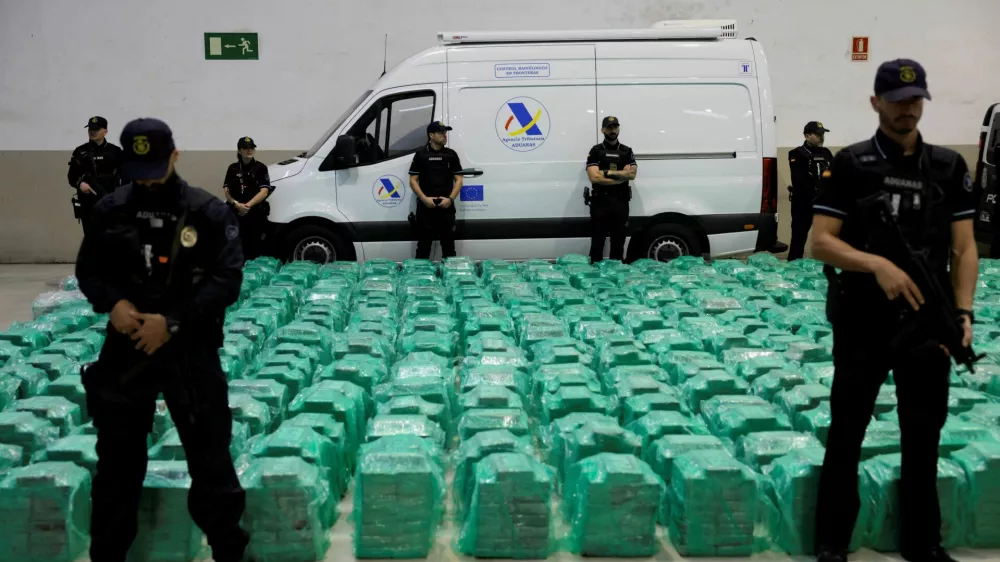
434, 224
921, 372
802, 219
254, 228
608, 217
123, 416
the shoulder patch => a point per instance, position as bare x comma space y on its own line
232, 231
967, 182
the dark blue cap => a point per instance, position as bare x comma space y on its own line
246, 142
437, 127
900, 79
97, 122
146, 146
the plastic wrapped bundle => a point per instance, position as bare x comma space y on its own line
170, 448
267, 320
46, 509
662, 453
611, 502
562, 356
443, 345
363, 370
881, 438
389, 425
248, 410
803, 352
598, 436
682, 365
672, 340
26, 337
331, 318
250, 331
372, 345
412, 406
435, 389
165, 530
573, 399
986, 414
759, 450
591, 332
9, 390
74, 352
553, 437
708, 384
510, 515
477, 421
815, 421
11, 456
639, 384
62, 413
880, 479
713, 505
488, 396
491, 342
801, 398
398, 500
310, 335
636, 407
732, 421
54, 301
819, 373
300, 370
270, 392
658, 424
290, 509
475, 449
958, 434
509, 377
623, 356
769, 385
421, 364
981, 463
308, 445
325, 399
749, 326
10, 352
750, 364
961, 400
54, 366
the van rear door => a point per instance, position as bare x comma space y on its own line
986, 173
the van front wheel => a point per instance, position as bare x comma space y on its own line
316, 244
666, 242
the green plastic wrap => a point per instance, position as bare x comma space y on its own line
80, 450
815, 421
980, 462
170, 448
598, 436
389, 425
26, 337
881, 438
373, 345
10, 352
491, 342
310, 335
736, 421
270, 392
507, 376
636, 407
62, 413
248, 410
266, 319
54, 366
74, 352
413, 405
488, 396
961, 400
661, 454
708, 384
658, 424
672, 340
477, 421
750, 364
958, 434
46, 512
553, 437
299, 352
769, 385
611, 503
166, 532
880, 481
986, 414
714, 505
9, 388
250, 331
308, 445
682, 365
281, 372
289, 510
323, 399
475, 449
573, 399
398, 499
162, 422
801, 398
510, 515
363, 370
759, 450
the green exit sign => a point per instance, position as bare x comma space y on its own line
231, 46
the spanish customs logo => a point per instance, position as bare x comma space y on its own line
388, 191
523, 124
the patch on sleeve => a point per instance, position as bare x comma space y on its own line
232, 231
967, 182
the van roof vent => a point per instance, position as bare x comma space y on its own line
730, 28
675, 32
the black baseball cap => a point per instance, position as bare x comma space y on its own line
900, 79
97, 122
814, 127
146, 148
437, 127
246, 142
610, 121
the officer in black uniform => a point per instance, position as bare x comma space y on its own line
93, 169
164, 259
872, 307
436, 180
610, 167
807, 164
247, 186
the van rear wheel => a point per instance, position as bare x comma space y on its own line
667, 242
316, 244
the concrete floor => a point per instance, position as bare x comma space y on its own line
21, 284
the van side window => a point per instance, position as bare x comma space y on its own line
394, 126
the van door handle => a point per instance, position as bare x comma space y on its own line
471, 172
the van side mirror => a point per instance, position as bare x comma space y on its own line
342, 156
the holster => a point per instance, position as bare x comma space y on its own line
586, 196
835, 293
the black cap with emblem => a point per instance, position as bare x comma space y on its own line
147, 145
437, 127
899, 79
610, 121
814, 127
97, 122
246, 142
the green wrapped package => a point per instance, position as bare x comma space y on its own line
735, 421
162, 422
289, 508
510, 515
562, 356
573, 399
708, 384
615, 375
488, 396
250, 331
550, 378
444, 345
11, 456
636, 407
46, 512
288, 360
9, 389
662, 453
795, 482
10, 352
291, 379
80, 450
75, 352
749, 325
435, 389
673, 340
750, 364
267, 320
29, 339
477, 421
54, 366
682, 365
491, 342
299, 351
657, 424
598, 436
713, 505
249, 410
170, 447
553, 437
804, 352
758, 450
270, 392
639, 384
165, 531
321, 399
881, 438
815, 421
310, 335
389, 425
958, 434
623, 357
506, 376
611, 503
308, 445
62, 413
961, 400
801, 398
363, 370
369, 344
980, 462
398, 498
986, 414
769, 385
475, 449
413, 405
880, 478
422, 364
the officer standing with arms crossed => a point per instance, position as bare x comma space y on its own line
807, 164
875, 307
164, 259
435, 178
93, 169
247, 186
610, 166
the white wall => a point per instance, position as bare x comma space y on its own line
64, 60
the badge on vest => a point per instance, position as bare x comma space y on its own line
189, 237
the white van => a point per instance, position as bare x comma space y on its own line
526, 107
986, 176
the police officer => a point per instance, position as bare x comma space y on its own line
807, 164
873, 304
610, 167
436, 180
247, 186
164, 260
93, 169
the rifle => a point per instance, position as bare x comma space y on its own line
938, 309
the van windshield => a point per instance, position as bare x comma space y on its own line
336, 124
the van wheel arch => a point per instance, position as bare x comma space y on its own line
326, 236
671, 228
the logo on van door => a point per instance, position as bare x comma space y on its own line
522, 124
388, 191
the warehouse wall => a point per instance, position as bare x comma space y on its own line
64, 61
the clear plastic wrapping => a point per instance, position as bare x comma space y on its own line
166, 532
308, 445
573, 399
46, 512
59, 411
475, 449
661, 454
980, 462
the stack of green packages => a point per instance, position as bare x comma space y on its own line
80, 450
610, 501
981, 463
308, 445
714, 505
664, 451
759, 449
510, 514
472, 451
398, 499
25, 430
166, 532
46, 512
